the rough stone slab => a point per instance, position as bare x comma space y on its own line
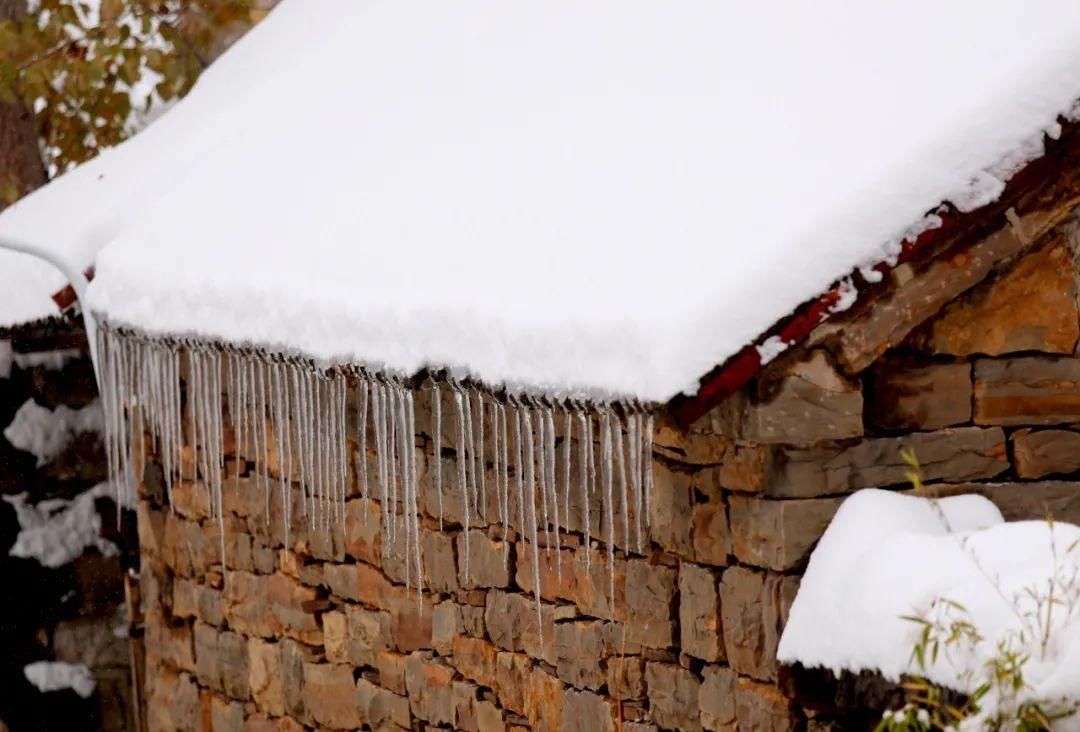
1027, 390
585, 711
763, 707
778, 534
264, 676
1045, 452
716, 699
811, 402
329, 695
670, 511
544, 700
430, 686
955, 455
711, 534
673, 696
905, 396
579, 649
1031, 306
754, 607
699, 613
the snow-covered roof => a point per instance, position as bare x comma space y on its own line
601, 196
887, 558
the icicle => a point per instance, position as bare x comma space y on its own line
530, 485
482, 489
549, 449
459, 406
414, 509
583, 477
298, 413
504, 459
495, 468
470, 449
380, 455
568, 443
647, 464
343, 446
519, 461
541, 468
609, 506
392, 456
633, 455
401, 424
362, 464
436, 438
620, 472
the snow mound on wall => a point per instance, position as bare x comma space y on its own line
599, 197
60, 675
56, 532
45, 432
887, 555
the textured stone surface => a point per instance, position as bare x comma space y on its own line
584, 711
1045, 452
673, 696
579, 648
754, 606
955, 455
699, 613
778, 534
914, 396
330, 695
1031, 306
762, 707
716, 699
810, 403
1027, 390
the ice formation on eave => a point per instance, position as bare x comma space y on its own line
887, 557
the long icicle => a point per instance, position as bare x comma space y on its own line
620, 472
647, 464
609, 506
482, 464
504, 458
436, 438
541, 469
583, 468
530, 486
549, 449
459, 406
633, 455
362, 463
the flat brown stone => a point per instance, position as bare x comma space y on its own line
699, 613
1029, 307
778, 534
754, 607
906, 396
1027, 390
956, 455
1045, 452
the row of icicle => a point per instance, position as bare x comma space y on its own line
188, 391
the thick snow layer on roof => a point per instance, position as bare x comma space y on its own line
601, 196
885, 556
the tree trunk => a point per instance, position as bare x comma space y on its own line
21, 169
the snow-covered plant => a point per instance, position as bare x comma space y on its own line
998, 696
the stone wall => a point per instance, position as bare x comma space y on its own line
323, 634
72, 612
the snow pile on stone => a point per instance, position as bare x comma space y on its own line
60, 675
48, 360
596, 198
886, 556
56, 532
45, 432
